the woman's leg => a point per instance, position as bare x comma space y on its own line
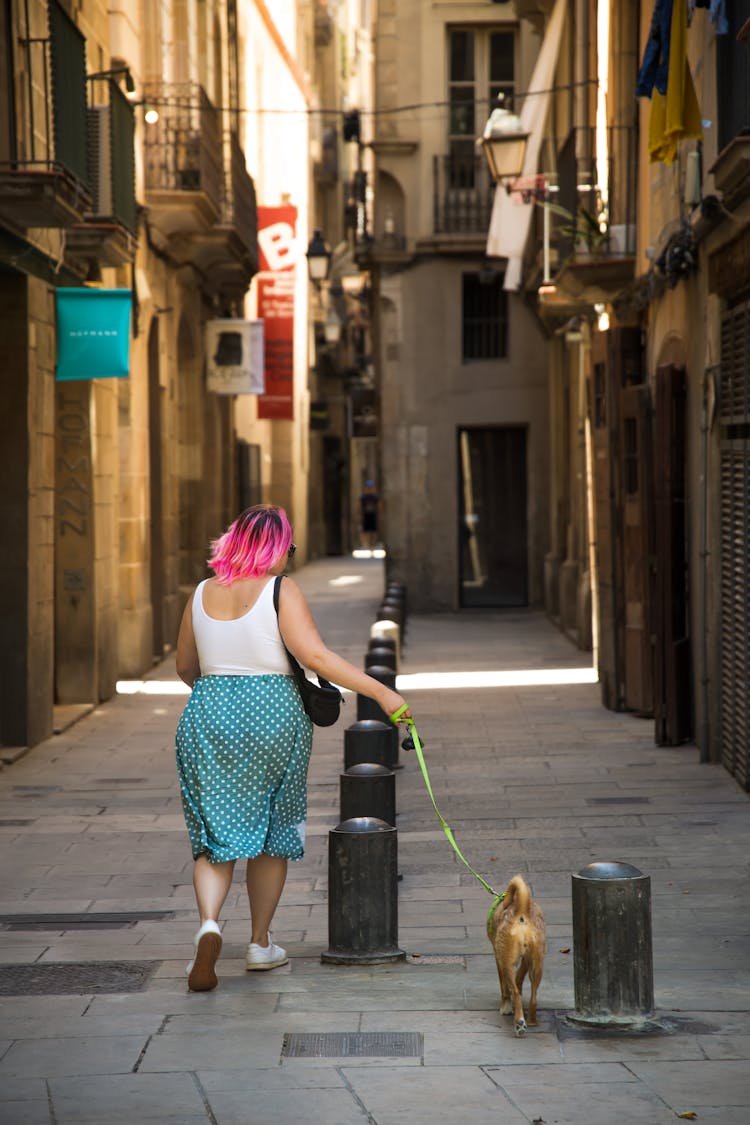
266, 875
211, 882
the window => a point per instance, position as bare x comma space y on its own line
485, 317
480, 66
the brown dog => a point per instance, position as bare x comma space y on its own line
516, 930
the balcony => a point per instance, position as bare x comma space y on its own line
184, 180
463, 192
43, 160
108, 233
228, 251
592, 222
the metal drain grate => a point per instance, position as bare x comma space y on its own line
353, 1045
69, 979
93, 921
618, 800
435, 959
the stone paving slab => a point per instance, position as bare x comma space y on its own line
538, 780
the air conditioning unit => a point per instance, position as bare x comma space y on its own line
99, 131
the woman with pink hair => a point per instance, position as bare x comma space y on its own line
244, 738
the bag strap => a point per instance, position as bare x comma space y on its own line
293, 662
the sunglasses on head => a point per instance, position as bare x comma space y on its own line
292, 549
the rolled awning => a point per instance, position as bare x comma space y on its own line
511, 218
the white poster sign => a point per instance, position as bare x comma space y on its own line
235, 357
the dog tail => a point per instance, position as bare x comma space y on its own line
518, 895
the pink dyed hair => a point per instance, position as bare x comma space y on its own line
251, 545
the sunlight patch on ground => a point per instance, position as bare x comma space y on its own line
152, 687
416, 681
532, 677
366, 553
346, 580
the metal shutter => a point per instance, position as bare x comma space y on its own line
735, 542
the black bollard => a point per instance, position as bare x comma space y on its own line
380, 658
391, 611
362, 893
368, 789
379, 641
367, 708
370, 740
612, 953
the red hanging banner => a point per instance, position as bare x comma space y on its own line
276, 282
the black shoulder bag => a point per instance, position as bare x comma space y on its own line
322, 701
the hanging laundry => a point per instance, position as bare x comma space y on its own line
675, 114
655, 65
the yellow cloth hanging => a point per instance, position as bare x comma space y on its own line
676, 114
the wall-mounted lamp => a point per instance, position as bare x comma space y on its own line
319, 256
332, 327
504, 143
114, 73
150, 113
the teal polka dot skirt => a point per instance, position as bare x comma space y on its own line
243, 748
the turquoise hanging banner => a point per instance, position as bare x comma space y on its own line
93, 333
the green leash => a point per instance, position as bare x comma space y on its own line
396, 718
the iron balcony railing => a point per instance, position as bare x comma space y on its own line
239, 209
596, 198
183, 149
463, 192
46, 112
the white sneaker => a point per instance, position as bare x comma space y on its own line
265, 956
202, 969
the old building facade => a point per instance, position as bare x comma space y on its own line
138, 144
649, 363
460, 360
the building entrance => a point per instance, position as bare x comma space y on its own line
493, 533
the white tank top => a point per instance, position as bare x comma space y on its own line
250, 645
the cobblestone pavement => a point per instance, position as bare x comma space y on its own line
537, 779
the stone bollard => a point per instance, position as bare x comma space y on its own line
368, 789
380, 658
362, 893
389, 630
370, 740
612, 953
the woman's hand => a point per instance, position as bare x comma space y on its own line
391, 702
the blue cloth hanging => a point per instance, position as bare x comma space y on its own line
655, 66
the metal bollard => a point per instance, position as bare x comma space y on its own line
391, 611
380, 658
367, 708
368, 789
612, 952
362, 893
370, 740
378, 641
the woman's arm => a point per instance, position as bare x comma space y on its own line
188, 667
303, 640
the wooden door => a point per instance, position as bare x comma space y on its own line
673, 703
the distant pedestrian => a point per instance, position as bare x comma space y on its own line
369, 510
244, 738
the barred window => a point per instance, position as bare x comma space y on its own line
485, 317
